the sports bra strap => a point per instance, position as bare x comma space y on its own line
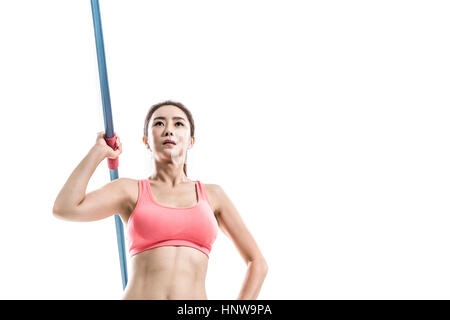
200, 190
204, 195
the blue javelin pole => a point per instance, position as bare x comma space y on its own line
110, 136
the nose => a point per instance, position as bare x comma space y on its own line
168, 131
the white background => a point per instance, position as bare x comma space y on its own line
326, 123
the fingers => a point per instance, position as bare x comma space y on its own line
101, 134
117, 152
116, 149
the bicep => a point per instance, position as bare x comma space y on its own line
101, 203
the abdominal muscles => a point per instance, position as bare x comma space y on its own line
170, 272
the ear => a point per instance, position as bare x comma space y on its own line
192, 142
145, 140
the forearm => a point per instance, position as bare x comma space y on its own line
254, 278
74, 190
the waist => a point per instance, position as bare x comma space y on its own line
167, 265
166, 283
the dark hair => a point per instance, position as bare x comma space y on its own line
171, 103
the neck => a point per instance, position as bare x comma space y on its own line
169, 173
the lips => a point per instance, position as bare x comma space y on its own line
169, 141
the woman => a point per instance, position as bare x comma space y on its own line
171, 221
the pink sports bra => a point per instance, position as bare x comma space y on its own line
153, 225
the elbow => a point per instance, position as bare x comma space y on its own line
59, 212
68, 214
56, 212
265, 268
261, 265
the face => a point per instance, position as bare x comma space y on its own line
169, 122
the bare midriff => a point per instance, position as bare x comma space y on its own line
167, 273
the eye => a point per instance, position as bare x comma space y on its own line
175, 123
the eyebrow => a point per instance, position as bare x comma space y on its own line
174, 118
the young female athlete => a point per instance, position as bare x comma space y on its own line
171, 221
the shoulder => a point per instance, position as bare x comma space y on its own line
130, 187
212, 187
214, 193
130, 191
128, 180
127, 183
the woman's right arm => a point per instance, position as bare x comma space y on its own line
72, 202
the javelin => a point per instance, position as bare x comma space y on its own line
110, 135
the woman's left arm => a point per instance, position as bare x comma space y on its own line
232, 225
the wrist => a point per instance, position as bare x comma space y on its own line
98, 152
